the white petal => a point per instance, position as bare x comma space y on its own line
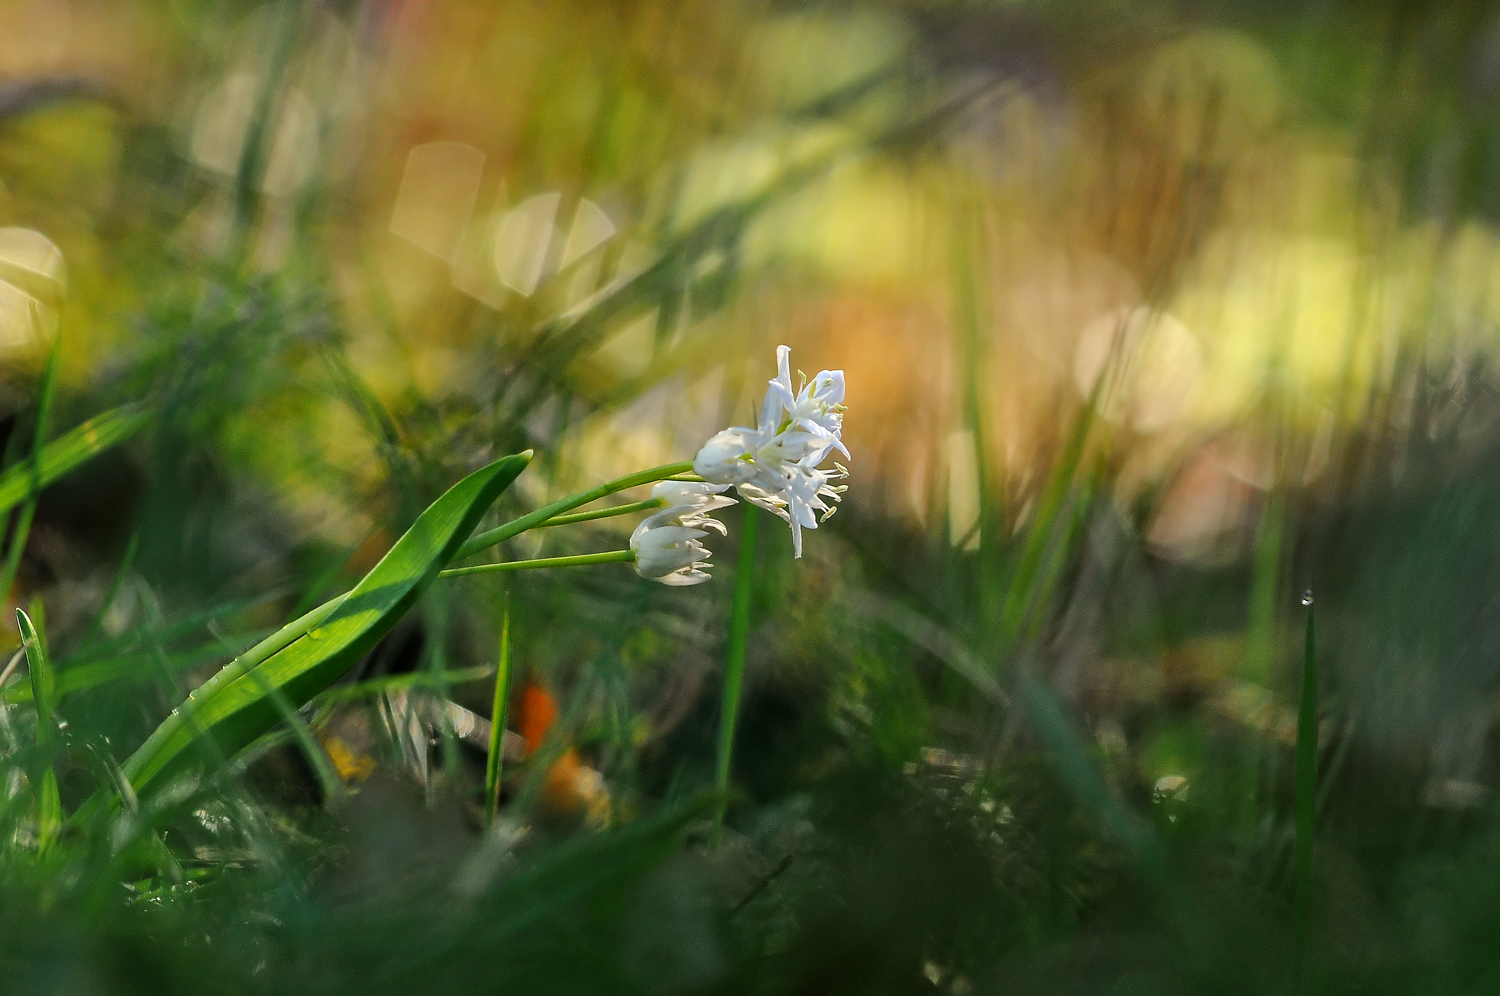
726, 458
683, 578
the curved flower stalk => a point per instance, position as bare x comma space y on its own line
666, 545
775, 466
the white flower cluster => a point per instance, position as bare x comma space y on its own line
773, 466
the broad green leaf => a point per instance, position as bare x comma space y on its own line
69, 450
234, 708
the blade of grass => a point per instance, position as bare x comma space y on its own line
138, 665
49, 804
1265, 578
69, 450
317, 758
34, 472
1026, 578
734, 663
1081, 775
1260, 641
1065, 549
234, 711
969, 260
1306, 791
434, 662
497, 720
402, 682
113, 647
114, 590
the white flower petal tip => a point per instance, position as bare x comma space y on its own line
774, 466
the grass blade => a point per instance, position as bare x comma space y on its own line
1306, 789
126, 562
497, 720
410, 681
235, 710
67, 451
1026, 578
134, 666
734, 663
43, 687
33, 468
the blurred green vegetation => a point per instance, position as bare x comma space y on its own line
1154, 317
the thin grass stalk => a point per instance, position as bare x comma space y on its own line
734, 663
1024, 582
1260, 639
1306, 794
28, 511
97, 625
969, 304
496, 757
317, 758
435, 664
400, 682
43, 686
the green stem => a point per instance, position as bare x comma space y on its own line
734, 663
612, 557
601, 513
1305, 788
515, 527
497, 721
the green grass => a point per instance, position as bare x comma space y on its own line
265, 618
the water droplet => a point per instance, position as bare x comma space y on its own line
1307, 597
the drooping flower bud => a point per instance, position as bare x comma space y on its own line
666, 544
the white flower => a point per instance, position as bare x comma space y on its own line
818, 408
775, 465
666, 544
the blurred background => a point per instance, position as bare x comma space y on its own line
1163, 323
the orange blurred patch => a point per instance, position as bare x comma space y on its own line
571, 787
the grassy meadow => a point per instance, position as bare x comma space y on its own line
365, 369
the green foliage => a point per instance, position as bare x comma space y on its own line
1059, 754
233, 709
